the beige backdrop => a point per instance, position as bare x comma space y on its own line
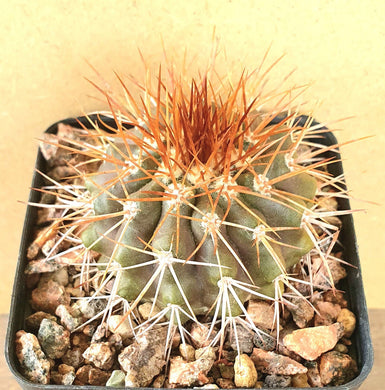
337, 46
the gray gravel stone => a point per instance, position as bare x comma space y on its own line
54, 339
33, 361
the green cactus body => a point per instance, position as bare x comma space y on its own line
186, 236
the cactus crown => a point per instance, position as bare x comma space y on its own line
200, 200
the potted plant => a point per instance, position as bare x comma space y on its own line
188, 238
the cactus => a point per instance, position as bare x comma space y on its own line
199, 201
197, 191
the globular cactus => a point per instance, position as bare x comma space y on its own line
196, 191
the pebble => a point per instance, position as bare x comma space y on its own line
159, 381
54, 338
144, 359
116, 379
322, 277
327, 313
74, 357
313, 374
261, 313
200, 335
99, 333
88, 375
32, 322
348, 320
335, 297
41, 266
342, 348
226, 371
49, 296
264, 341
89, 329
187, 351
337, 368
33, 361
75, 292
225, 383
101, 355
301, 311
208, 386
65, 375
310, 343
184, 373
69, 317
147, 309
60, 276
121, 326
273, 363
243, 343
245, 373
206, 353
277, 381
299, 380
46, 215
91, 307
80, 340
115, 341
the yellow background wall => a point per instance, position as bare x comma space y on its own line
338, 46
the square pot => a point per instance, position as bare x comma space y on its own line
362, 349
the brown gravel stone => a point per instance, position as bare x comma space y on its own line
200, 335
101, 355
82, 374
310, 343
144, 359
184, 373
263, 341
342, 348
225, 383
88, 375
73, 357
69, 317
337, 368
119, 325
158, 382
261, 313
327, 313
49, 296
322, 278
65, 375
41, 266
301, 311
313, 375
206, 353
98, 377
272, 363
299, 380
33, 361
187, 351
244, 337
348, 320
277, 381
245, 374
80, 340
335, 297
33, 321
115, 341
226, 370
60, 276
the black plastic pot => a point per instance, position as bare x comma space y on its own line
353, 285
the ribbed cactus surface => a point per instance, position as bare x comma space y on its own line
195, 191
